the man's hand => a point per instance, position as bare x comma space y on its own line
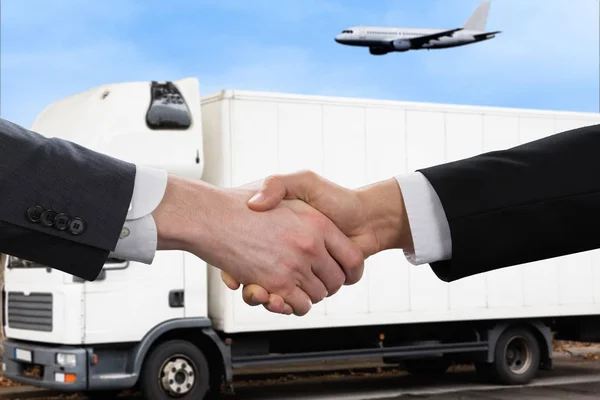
291, 250
373, 217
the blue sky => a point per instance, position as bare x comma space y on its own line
547, 57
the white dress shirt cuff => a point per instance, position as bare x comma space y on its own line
138, 238
428, 223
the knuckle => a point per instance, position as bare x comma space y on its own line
306, 173
307, 244
291, 268
271, 180
308, 176
279, 282
357, 260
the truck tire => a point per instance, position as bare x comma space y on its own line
516, 358
175, 369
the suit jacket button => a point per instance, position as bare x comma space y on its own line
35, 213
77, 226
47, 217
61, 221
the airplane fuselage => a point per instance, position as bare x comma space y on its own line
382, 40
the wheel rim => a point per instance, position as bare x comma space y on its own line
177, 375
518, 355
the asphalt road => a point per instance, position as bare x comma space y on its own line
571, 379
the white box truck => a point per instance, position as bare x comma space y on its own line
174, 330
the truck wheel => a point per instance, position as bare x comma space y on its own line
516, 358
175, 369
427, 367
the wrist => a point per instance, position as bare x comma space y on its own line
175, 215
387, 215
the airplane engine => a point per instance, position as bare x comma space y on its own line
378, 51
401, 45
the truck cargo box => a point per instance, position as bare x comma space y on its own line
353, 142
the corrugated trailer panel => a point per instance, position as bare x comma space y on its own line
388, 272
217, 156
355, 142
345, 163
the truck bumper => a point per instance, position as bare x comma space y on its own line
109, 374
20, 358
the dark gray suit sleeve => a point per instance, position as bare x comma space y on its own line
61, 205
532, 202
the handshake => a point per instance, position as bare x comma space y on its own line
291, 240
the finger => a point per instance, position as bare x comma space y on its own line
287, 309
330, 273
270, 194
347, 254
274, 298
314, 288
255, 295
299, 301
301, 185
329, 294
230, 281
277, 305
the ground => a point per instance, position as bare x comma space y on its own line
572, 378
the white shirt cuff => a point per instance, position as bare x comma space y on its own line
428, 223
138, 238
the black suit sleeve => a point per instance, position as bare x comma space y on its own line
536, 201
61, 205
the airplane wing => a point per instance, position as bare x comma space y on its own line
486, 35
421, 40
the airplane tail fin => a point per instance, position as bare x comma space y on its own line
478, 19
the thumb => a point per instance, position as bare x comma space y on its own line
271, 193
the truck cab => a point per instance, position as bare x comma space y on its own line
70, 334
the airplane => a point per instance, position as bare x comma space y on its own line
383, 40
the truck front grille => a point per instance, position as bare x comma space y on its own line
32, 312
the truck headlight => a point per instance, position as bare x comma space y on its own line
66, 359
